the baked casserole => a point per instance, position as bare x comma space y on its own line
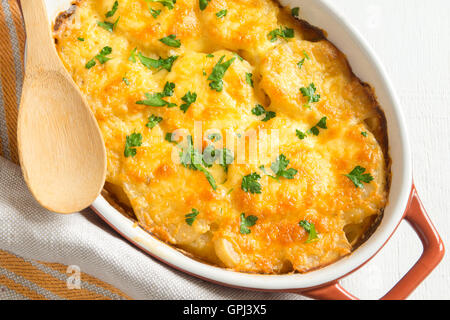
234, 130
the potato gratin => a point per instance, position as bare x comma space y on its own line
243, 70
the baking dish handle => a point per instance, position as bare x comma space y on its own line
433, 252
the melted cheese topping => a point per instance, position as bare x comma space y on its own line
161, 191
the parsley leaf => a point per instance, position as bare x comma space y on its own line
101, 57
110, 13
300, 134
306, 55
227, 158
166, 3
218, 72
221, 13
250, 183
189, 98
169, 87
357, 176
215, 137
127, 82
153, 100
309, 92
80, 39
157, 64
248, 79
156, 99
259, 110
171, 41
364, 134
310, 228
210, 55
190, 217
282, 32
301, 62
90, 64
170, 137
269, 115
108, 26
203, 4
321, 124
132, 56
132, 141
279, 168
155, 13
193, 160
153, 121
295, 12
246, 223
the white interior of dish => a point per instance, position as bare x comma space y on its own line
368, 68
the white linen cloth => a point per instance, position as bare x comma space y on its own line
84, 240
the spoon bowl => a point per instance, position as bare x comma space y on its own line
61, 149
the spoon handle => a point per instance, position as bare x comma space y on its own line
40, 55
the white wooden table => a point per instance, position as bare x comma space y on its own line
412, 39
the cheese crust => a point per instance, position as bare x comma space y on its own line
161, 192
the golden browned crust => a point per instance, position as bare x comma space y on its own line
375, 122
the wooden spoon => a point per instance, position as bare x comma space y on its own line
61, 149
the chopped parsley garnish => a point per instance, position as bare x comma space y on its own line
189, 98
80, 39
282, 32
156, 99
221, 13
248, 79
322, 124
168, 137
166, 3
279, 168
210, 55
310, 228
203, 4
132, 56
157, 64
153, 121
357, 176
132, 141
310, 93
190, 217
101, 57
301, 62
246, 223
295, 12
110, 13
250, 183
259, 110
127, 82
213, 137
171, 41
227, 158
108, 26
90, 64
300, 134
364, 134
306, 55
193, 160
169, 87
154, 13
218, 72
